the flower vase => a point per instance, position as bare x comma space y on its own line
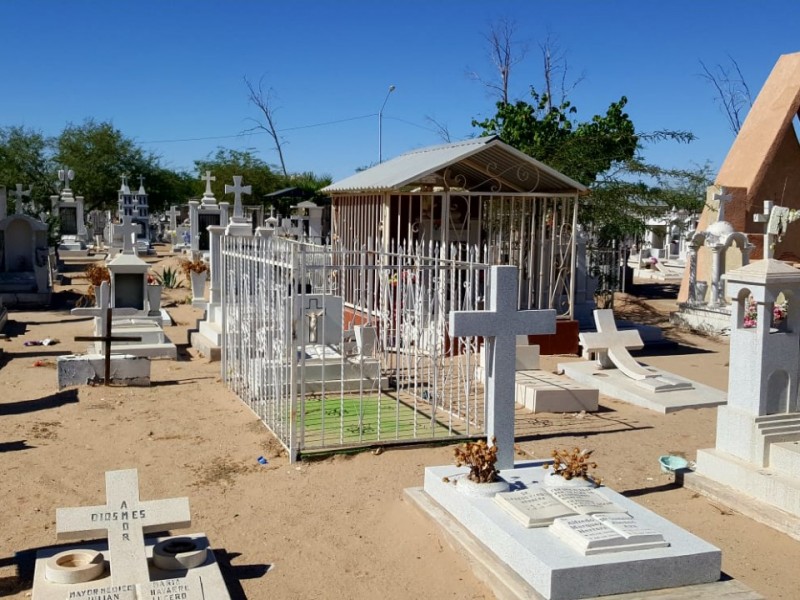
550, 479
198, 285
480, 490
154, 299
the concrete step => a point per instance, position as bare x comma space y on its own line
778, 417
163, 350
204, 346
149, 335
785, 458
212, 331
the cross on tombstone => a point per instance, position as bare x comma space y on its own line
208, 178
500, 325
129, 230
723, 198
65, 176
18, 194
141, 184
105, 312
237, 189
173, 213
610, 346
124, 519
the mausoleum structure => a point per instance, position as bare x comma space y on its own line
135, 206
24, 257
473, 193
757, 453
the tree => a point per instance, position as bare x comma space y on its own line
263, 100
100, 154
24, 159
504, 54
225, 163
731, 92
604, 153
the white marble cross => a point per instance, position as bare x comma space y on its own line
129, 231
141, 184
610, 346
500, 325
237, 189
208, 178
173, 213
723, 198
124, 519
66, 175
18, 194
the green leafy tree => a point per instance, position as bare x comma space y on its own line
99, 153
24, 159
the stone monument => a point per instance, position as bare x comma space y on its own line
68, 208
755, 466
571, 558
205, 213
128, 565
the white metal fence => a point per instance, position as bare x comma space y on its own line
336, 348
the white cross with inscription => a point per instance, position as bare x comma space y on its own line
66, 175
208, 178
723, 198
237, 189
124, 519
500, 325
18, 194
129, 231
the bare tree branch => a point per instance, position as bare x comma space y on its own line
731, 92
264, 102
504, 53
441, 129
555, 67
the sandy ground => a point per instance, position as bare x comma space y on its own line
332, 528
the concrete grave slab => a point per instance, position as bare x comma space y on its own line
126, 369
540, 391
615, 384
548, 568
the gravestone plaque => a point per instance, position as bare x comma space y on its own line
68, 217
203, 221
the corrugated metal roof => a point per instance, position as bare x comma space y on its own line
480, 164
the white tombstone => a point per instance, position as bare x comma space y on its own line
166, 568
755, 466
238, 225
500, 325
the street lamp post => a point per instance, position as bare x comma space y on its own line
380, 124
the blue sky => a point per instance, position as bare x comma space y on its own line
163, 70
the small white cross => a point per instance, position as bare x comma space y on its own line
500, 325
237, 189
66, 175
208, 178
141, 184
723, 198
18, 194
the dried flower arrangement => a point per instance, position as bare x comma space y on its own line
573, 463
480, 457
193, 266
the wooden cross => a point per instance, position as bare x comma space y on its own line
105, 312
66, 175
208, 178
500, 325
237, 189
723, 198
124, 519
18, 194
